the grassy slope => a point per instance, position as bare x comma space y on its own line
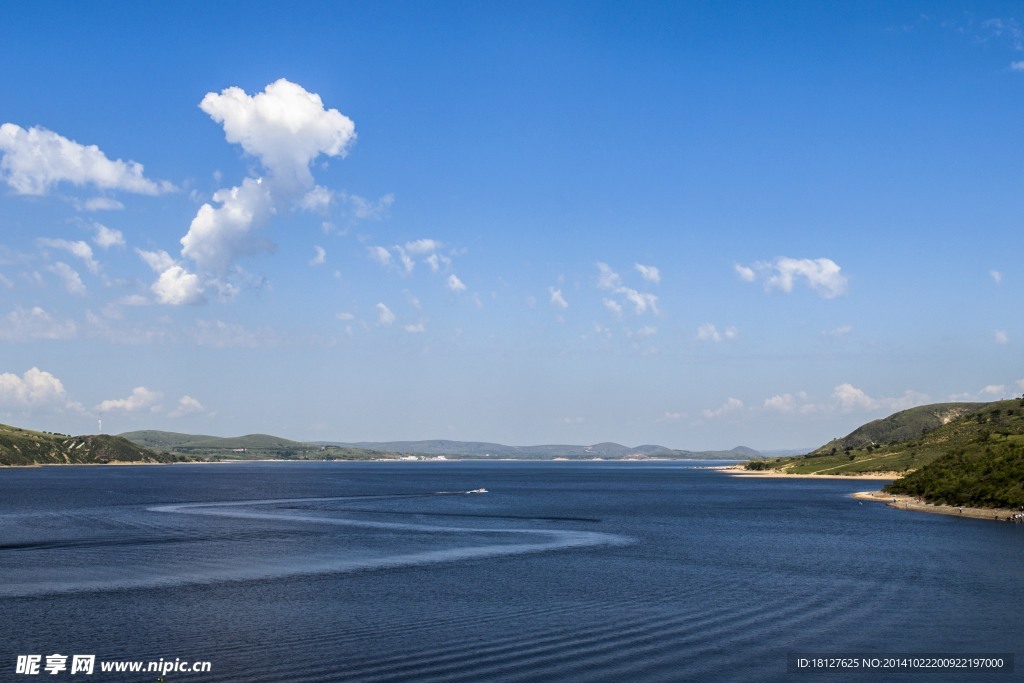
982, 467
248, 447
902, 426
976, 459
986, 424
26, 447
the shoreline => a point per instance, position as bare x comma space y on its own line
739, 471
915, 504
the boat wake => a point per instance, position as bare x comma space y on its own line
282, 537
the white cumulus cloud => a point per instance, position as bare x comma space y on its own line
319, 257
106, 238
36, 159
178, 287
218, 235
140, 399
32, 389
285, 127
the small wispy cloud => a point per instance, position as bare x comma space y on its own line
384, 315
788, 403
455, 284
556, 298
610, 281
649, 273
79, 249
708, 332
379, 254
187, 406
613, 306
851, 399
70, 278
319, 256
730, 406
841, 331
106, 238
822, 275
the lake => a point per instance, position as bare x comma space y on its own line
562, 571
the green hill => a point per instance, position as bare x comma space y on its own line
983, 467
991, 426
248, 447
152, 438
901, 426
26, 447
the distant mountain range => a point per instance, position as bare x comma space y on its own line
270, 446
25, 447
609, 450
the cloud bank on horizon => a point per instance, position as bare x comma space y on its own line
523, 292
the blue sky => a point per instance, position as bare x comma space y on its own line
693, 224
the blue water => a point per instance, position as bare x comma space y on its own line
598, 571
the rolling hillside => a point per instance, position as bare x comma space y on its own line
249, 447
979, 436
901, 426
26, 447
983, 467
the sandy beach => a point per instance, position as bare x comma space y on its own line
901, 502
739, 471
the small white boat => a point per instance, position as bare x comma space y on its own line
477, 491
